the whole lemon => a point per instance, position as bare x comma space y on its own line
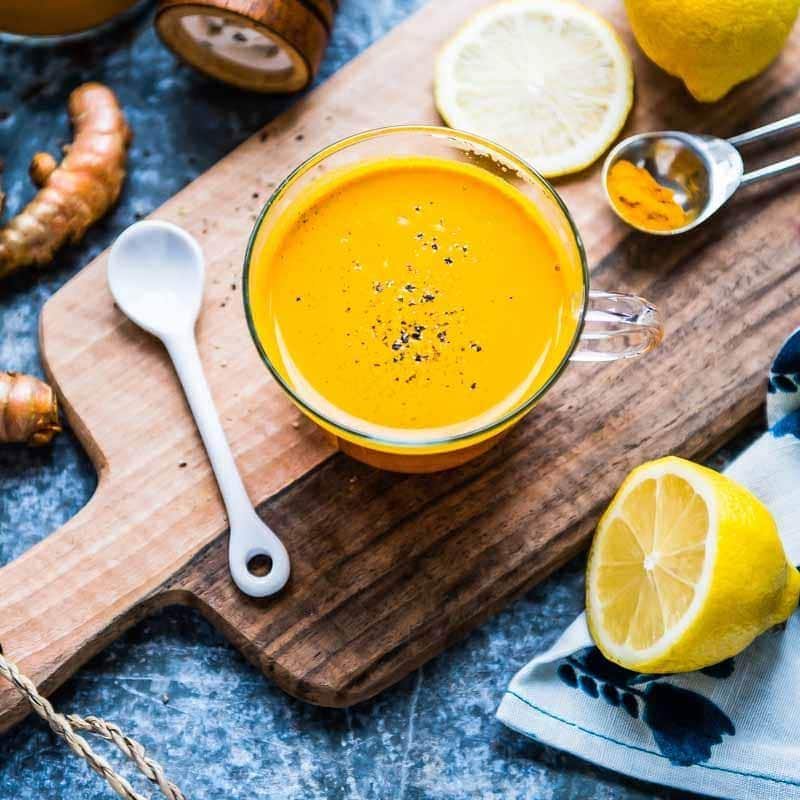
712, 45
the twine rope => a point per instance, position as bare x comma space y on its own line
66, 727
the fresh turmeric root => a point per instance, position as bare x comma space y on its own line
76, 193
28, 410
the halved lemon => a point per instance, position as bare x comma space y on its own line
548, 79
686, 569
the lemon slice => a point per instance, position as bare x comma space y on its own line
548, 79
686, 569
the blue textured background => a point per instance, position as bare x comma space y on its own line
173, 683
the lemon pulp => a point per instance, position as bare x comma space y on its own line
652, 561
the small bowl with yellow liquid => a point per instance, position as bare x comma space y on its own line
416, 290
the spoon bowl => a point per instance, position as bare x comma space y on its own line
156, 274
702, 171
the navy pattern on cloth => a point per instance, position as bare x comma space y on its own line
685, 724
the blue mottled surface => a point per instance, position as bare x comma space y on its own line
173, 683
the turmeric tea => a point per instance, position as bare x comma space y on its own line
414, 294
643, 202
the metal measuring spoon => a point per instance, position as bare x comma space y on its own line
702, 171
156, 274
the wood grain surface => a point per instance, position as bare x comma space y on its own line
388, 569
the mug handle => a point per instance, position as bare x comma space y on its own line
618, 326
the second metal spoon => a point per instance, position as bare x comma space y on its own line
702, 171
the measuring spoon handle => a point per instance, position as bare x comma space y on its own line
766, 131
771, 171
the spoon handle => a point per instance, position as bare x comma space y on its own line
771, 171
249, 535
766, 131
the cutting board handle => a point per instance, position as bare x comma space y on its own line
65, 599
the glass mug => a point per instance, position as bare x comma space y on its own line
608, 326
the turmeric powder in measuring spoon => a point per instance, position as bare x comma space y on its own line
643, 202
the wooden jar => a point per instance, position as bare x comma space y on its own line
261, 45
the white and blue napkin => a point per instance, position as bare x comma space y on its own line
732, 730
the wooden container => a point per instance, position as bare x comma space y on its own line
261, 45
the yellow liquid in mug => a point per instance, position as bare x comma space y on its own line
414, 296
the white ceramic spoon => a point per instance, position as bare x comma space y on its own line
156, 274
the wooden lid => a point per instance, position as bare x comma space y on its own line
261, 45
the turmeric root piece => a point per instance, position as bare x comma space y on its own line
43, 165
75, 193
28, 410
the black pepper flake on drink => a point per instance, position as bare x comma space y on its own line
298, 299
475, 346
442, 336
409, 287
410, 378
473, 385
419, 357
448, 260
378, 287
557, 268
398, 344
434, 246
348, 310
417, 335
417, 208
375, 364
464, 248
428, 297
420, 236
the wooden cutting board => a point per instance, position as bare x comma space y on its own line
388, 569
